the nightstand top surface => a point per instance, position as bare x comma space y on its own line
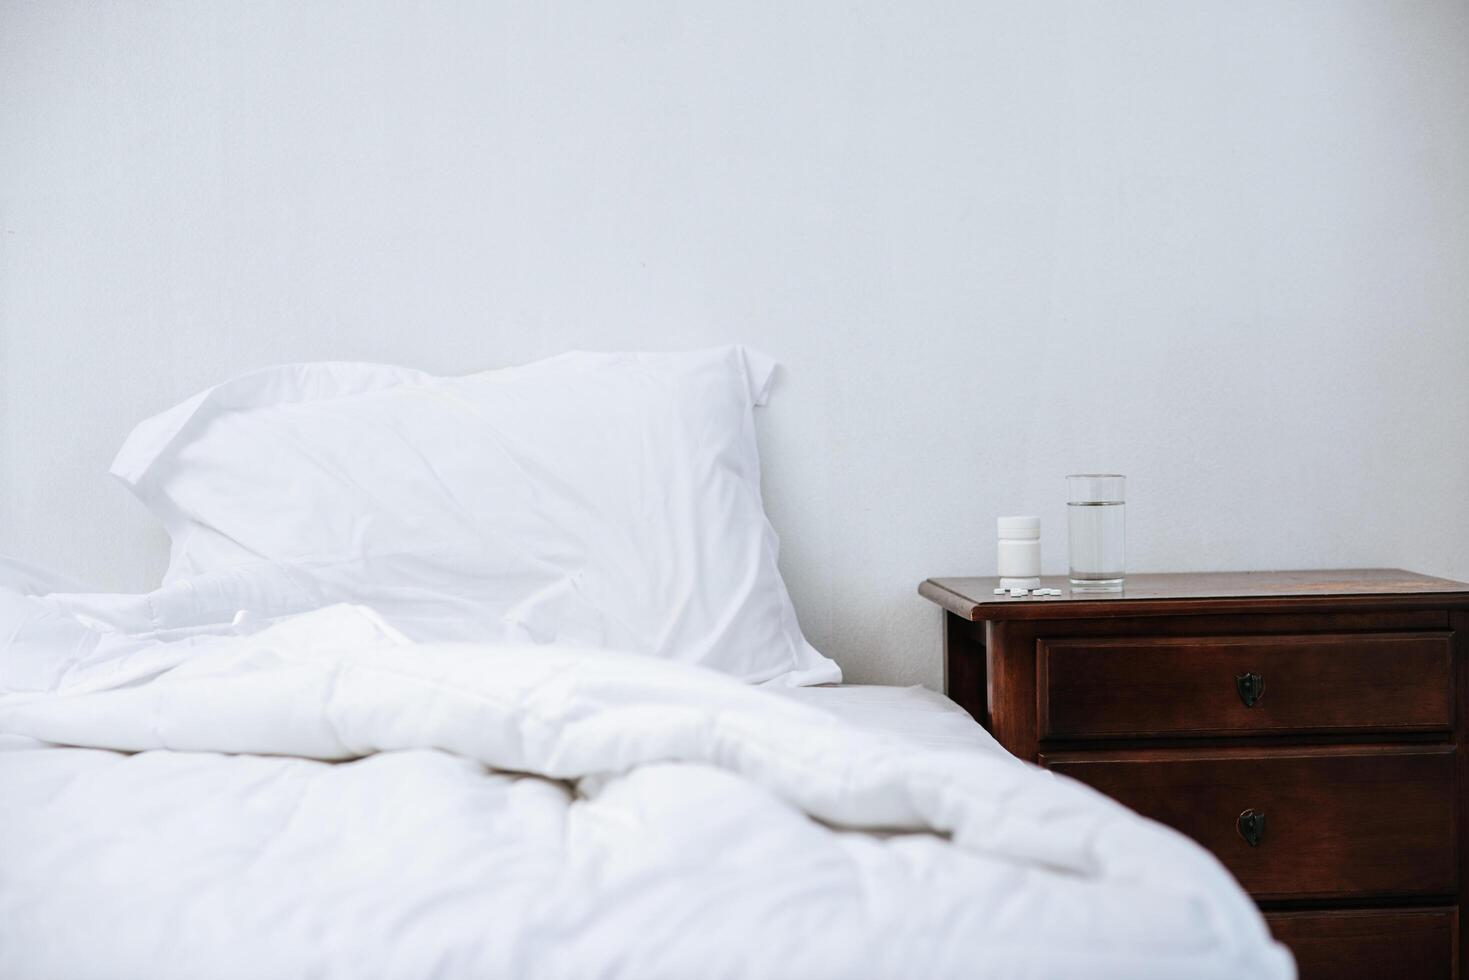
974, 598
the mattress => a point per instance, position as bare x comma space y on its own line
915, 713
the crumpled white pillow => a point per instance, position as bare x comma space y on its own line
607, 500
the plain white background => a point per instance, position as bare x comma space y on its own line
1220, 247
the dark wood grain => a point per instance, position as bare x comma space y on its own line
1366, 944
967, 671
1152, 594
1342, 821
1459, 623
1357, 751
1148, 686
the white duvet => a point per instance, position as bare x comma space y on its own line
323, 799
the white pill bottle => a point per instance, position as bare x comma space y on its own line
1020, 552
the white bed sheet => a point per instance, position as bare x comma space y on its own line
914, 713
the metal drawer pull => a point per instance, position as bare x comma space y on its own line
1251, 826
1250, 688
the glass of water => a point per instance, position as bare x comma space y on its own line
1094, 520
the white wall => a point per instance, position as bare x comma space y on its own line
1221, 247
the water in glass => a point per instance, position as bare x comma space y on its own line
1095, 522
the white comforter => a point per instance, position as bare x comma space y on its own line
322, 799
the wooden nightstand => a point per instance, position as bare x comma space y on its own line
1306, 727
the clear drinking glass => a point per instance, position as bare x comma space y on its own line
1094, 520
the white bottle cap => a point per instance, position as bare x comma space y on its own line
1018, 528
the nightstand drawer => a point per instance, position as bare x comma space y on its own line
1326, 822
1214, 685
1405, 944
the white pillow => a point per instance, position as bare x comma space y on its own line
610, 500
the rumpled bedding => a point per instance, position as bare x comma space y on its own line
317, 797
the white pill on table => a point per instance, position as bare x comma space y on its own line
1001, 591
1017, 593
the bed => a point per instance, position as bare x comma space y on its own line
496, 677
